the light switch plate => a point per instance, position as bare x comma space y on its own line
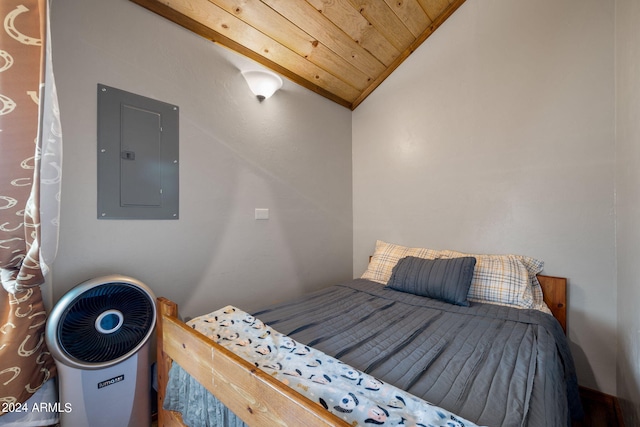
262, 213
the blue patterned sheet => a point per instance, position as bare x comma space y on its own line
358, 398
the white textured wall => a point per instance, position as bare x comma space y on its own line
628, 205
235, 155
495, 136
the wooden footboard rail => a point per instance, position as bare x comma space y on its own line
254, 396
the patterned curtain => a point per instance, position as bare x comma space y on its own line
30, 165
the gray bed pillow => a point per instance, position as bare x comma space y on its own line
443, 279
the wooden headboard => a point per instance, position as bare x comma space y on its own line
554, 290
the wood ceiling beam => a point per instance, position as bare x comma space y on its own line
341, 49
446, 13
307, 75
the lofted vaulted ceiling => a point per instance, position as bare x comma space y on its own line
341, 49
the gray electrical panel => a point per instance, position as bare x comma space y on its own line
137, 156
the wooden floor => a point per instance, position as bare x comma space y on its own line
601, 410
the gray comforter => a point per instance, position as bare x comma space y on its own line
496, 366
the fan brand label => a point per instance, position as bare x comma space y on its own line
111, 381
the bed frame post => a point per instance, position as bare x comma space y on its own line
554, 290
165, 307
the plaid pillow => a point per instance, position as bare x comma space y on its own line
387, 255
504, 279
534, 267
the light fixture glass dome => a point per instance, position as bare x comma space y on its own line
262, 83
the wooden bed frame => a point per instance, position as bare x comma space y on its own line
256, 397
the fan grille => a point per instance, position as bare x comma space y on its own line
77, 332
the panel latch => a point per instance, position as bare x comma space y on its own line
128, 155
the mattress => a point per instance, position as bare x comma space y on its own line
493, 365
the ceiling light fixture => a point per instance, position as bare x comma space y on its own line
263, 84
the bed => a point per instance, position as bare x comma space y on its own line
475, 386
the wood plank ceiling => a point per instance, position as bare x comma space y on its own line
341, 49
